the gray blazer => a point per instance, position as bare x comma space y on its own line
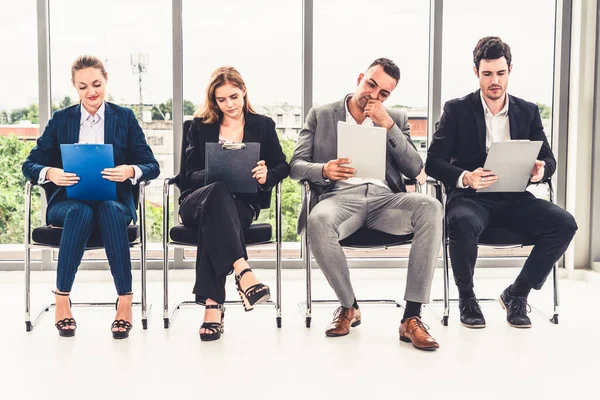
317, 144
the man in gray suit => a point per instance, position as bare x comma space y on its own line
341, 204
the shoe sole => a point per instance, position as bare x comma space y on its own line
250, 307
120, 335
66, 332
514, 326
209, 338
352, 325
407, 340
473, 326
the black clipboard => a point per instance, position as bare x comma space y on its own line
232, 164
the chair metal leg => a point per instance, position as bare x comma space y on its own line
307, 260
555, 279
28, 324
441, 196
278, 254
306, 306
446, 280
308, 267
166, 321
165, 243
144, 303
445, 244
142, 204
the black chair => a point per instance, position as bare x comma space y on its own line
363, 238
181, 236
49, 237
496, 237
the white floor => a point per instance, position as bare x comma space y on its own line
255, 360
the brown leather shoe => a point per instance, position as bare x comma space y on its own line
343, 319
414, 331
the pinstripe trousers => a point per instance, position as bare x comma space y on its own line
79, 220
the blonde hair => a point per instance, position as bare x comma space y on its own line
210, 111
87, 61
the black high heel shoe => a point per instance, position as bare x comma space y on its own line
121, 323
254, 294
64, 325
213, 330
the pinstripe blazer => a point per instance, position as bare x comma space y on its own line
121, 129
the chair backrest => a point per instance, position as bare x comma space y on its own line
180, 178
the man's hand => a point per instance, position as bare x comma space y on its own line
118, 174
61, 178
479, 179
422, 177
260, 172
537, 173
334, 170
376, 111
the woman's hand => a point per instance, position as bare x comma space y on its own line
260, 172
61, 178
118, 174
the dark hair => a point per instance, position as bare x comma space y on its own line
87, 61
491, 48
389, 67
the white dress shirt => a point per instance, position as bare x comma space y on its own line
358, 181
91, 131
497, 129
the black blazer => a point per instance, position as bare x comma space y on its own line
257, 128
459, 140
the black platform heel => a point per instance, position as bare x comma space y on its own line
213, 330
64, 325
254, 294
121, 323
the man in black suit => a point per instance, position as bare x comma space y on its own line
456, 156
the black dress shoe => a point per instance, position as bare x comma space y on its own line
470, 313
516, 310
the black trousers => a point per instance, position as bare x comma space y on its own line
220, 219
469, 214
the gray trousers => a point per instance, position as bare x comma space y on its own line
339, 213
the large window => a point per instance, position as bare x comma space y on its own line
530, 35
133, 39
349, 35
19, 114
265, 47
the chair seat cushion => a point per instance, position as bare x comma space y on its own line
255, 234
505, 237
51, 236
365, 237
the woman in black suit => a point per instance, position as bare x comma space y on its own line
221, 216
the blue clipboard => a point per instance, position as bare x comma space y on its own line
232, 164
87, 162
